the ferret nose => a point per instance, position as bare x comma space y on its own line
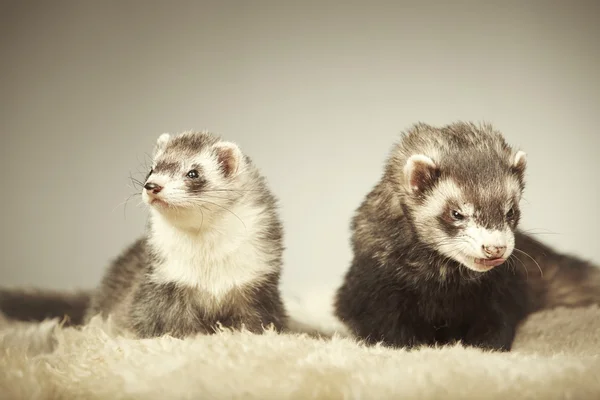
494, 251
153, 187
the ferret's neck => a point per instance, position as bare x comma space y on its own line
217, 257
216, 230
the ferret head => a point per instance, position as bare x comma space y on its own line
463, 198
192, 173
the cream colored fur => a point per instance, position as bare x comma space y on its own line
222, 257
556, 356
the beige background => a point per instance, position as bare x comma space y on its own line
315, 92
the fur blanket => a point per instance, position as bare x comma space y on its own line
556, 356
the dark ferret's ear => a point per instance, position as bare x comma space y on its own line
420, 173
229, 157
519, 164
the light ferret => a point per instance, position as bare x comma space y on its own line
212, 253
437, 256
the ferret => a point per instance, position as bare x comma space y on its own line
437, 254
211, 256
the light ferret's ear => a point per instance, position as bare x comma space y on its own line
229, 157
161, 143
519, 164
420, 173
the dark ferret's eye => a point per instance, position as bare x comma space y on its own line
193, 174
511, 213
149, 173
457, 216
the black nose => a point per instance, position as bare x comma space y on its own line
152, 187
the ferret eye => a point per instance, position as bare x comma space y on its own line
511, 213
457, 216
149, 173
193, 174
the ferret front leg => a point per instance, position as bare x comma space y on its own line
491, 334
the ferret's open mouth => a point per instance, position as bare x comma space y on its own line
489, 262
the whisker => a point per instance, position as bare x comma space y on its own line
124, 203
522, 264
135, 182
214, 197
531, 232
137, 157
532, 259
202, 221
228, 210
231, 190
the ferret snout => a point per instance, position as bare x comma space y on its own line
153, 187
493, 251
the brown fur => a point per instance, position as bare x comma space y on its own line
38, 305
151, 309
405, 288
564, 280
147, 306
555, 279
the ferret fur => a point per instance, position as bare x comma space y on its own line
419, 237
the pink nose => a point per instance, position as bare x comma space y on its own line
153, 187
494, 251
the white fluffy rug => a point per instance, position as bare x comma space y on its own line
556, 356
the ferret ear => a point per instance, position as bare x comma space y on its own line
420, 173
230, 158
519, 164
161, 143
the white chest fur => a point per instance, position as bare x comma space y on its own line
216, 259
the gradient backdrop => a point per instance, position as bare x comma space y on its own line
315, 92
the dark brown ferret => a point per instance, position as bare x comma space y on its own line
437, 254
